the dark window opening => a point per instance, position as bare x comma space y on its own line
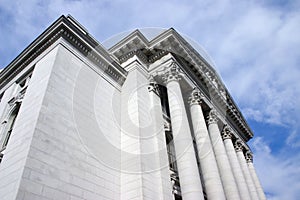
164, 100
8, 130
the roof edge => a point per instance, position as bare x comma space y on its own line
63, 27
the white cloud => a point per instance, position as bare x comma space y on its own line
257, 115
279, 174
255, 45
294, 137
258, 57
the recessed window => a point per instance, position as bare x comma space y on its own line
23, 82
9, 125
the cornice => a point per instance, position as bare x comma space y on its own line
75, 34
167, 42
193, 64
135, 40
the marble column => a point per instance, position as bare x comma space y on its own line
242, 160
235, 165
229, 184
161, 182
254, 176
190, 182
208, 165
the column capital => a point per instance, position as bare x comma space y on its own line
172, 73
226, 132
213, 116
153, 86
238, 146
249, 156
196, 97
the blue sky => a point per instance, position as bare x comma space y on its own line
255, 46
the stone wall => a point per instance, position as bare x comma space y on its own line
67, 121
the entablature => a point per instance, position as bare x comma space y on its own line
68, 29
193, 64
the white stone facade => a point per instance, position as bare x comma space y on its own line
141, 120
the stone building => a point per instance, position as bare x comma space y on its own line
142, 119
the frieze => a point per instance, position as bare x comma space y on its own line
171, 42
62, 28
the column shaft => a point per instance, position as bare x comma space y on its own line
237, 170
254, 177
227, 177
248, 178
208, 165
189, 177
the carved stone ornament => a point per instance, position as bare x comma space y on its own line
212, 117
17, 99
227, 132
249, 156
167, 125
223, 93
196, 97
153, 86
172, 73
238, 146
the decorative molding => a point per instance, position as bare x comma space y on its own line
249, 156
135, 44
238, 146
64, 28
146, 55
18, 98
93, 55
167, 126
213, 117
153, 86
167, 123
137, 52
24, 60
172, 42
172, 73
196, 97
156, 56
226, 132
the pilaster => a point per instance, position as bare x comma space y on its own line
139, 145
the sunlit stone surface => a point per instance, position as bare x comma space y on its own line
146, 118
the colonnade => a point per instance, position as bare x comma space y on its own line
225, 164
